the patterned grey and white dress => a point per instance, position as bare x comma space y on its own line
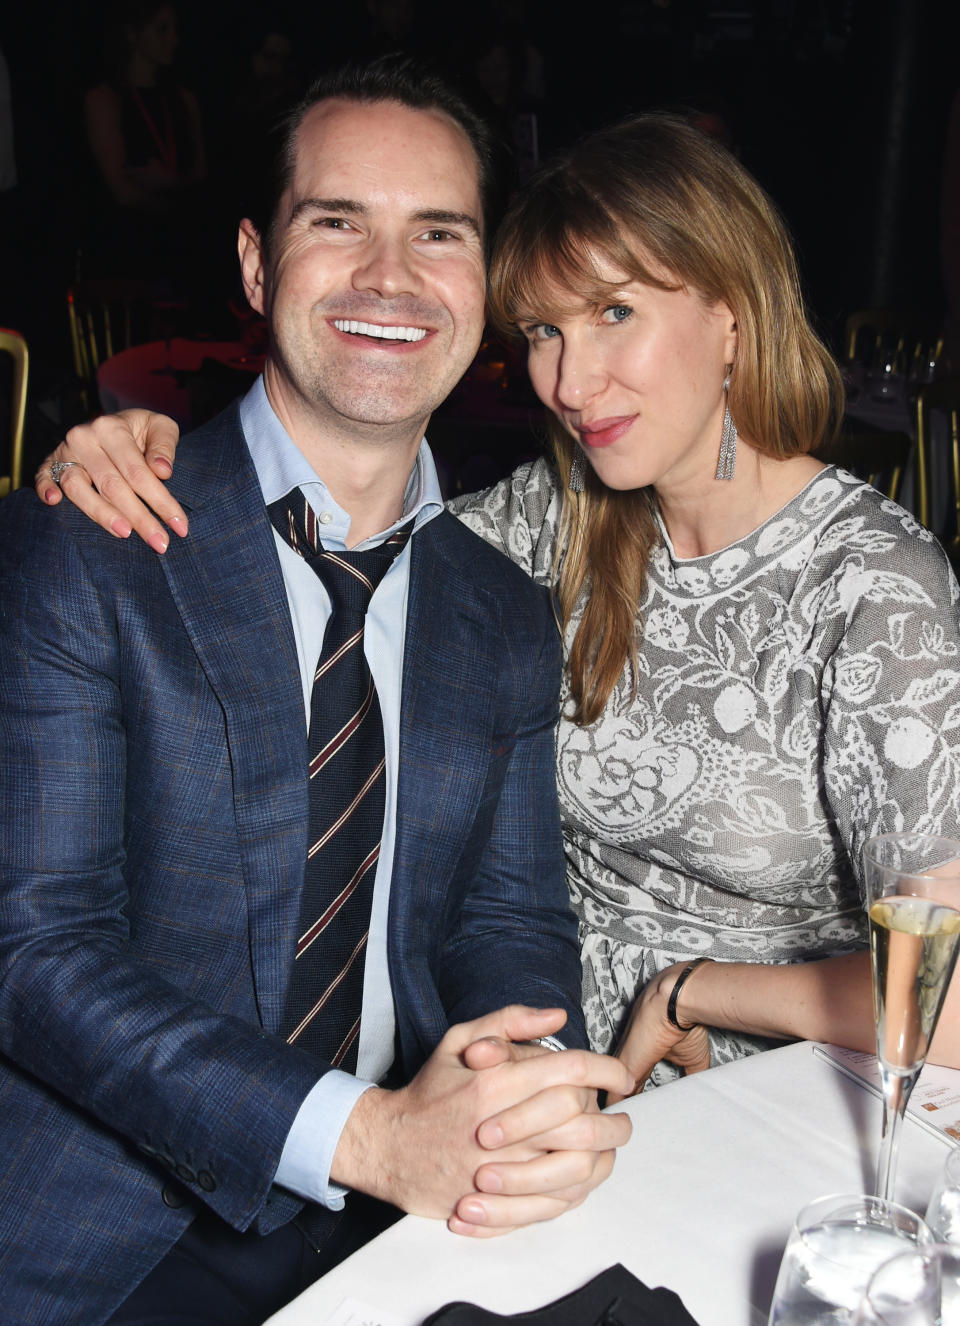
798, 692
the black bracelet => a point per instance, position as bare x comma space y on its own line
677, 987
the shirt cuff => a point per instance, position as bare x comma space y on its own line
312, 1140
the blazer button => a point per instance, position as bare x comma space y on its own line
172, 1197
206, 1180
186, 1173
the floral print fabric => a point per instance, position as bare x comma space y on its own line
799, 691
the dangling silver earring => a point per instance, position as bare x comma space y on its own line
728, 438
578, 471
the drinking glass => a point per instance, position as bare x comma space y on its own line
919, 1288
913, 894
887, 376
943, 1213
834, 1247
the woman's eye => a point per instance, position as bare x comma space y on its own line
543, 331
617, 313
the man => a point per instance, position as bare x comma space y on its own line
161, 1124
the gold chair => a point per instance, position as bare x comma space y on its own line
912, 334
878, 456
109, 315
100, 315
933, 398
13, 344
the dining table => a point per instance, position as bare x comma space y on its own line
890, 406
163, 375
701, 1201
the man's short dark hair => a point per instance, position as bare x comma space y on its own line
398, 78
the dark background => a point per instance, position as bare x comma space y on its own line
839, 107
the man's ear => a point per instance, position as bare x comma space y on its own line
250, 250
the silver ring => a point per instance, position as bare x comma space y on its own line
58, 467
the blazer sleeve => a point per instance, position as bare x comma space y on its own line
207, 1094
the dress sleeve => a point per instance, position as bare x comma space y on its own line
891, 687
519, 516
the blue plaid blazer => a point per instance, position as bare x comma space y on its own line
154, 834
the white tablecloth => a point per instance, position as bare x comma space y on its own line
701, 1200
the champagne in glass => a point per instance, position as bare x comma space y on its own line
913, 894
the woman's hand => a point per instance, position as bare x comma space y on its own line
119, 459
651, 1036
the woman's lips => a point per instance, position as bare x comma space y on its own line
604, 432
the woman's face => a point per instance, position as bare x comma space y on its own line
638, 382
158, 39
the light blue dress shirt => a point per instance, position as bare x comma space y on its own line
281, 467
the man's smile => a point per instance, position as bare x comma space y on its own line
379, 332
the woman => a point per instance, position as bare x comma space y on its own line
762, 651
145, 135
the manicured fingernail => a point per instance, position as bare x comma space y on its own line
492, 1181
179, 524
158, 542
474, 1212
161, 462
122, 528
50, 495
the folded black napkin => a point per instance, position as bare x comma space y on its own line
612, 1298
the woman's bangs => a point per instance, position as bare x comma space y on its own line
552, 270
556, 276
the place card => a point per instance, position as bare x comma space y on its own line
934, 1103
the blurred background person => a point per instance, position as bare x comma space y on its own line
144, 133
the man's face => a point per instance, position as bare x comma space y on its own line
374, 289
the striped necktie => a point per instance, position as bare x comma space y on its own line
346, 799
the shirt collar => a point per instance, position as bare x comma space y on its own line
281, 467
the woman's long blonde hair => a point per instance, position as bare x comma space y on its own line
649, 195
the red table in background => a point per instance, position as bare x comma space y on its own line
163, 375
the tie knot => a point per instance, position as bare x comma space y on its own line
350, 578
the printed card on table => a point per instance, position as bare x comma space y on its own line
935, 1102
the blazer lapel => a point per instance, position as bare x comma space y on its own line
226, 581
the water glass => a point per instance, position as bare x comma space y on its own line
835, 1246
943, 1213
920, 1288
887, 378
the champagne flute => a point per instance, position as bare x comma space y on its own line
913, 895
835, 1246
